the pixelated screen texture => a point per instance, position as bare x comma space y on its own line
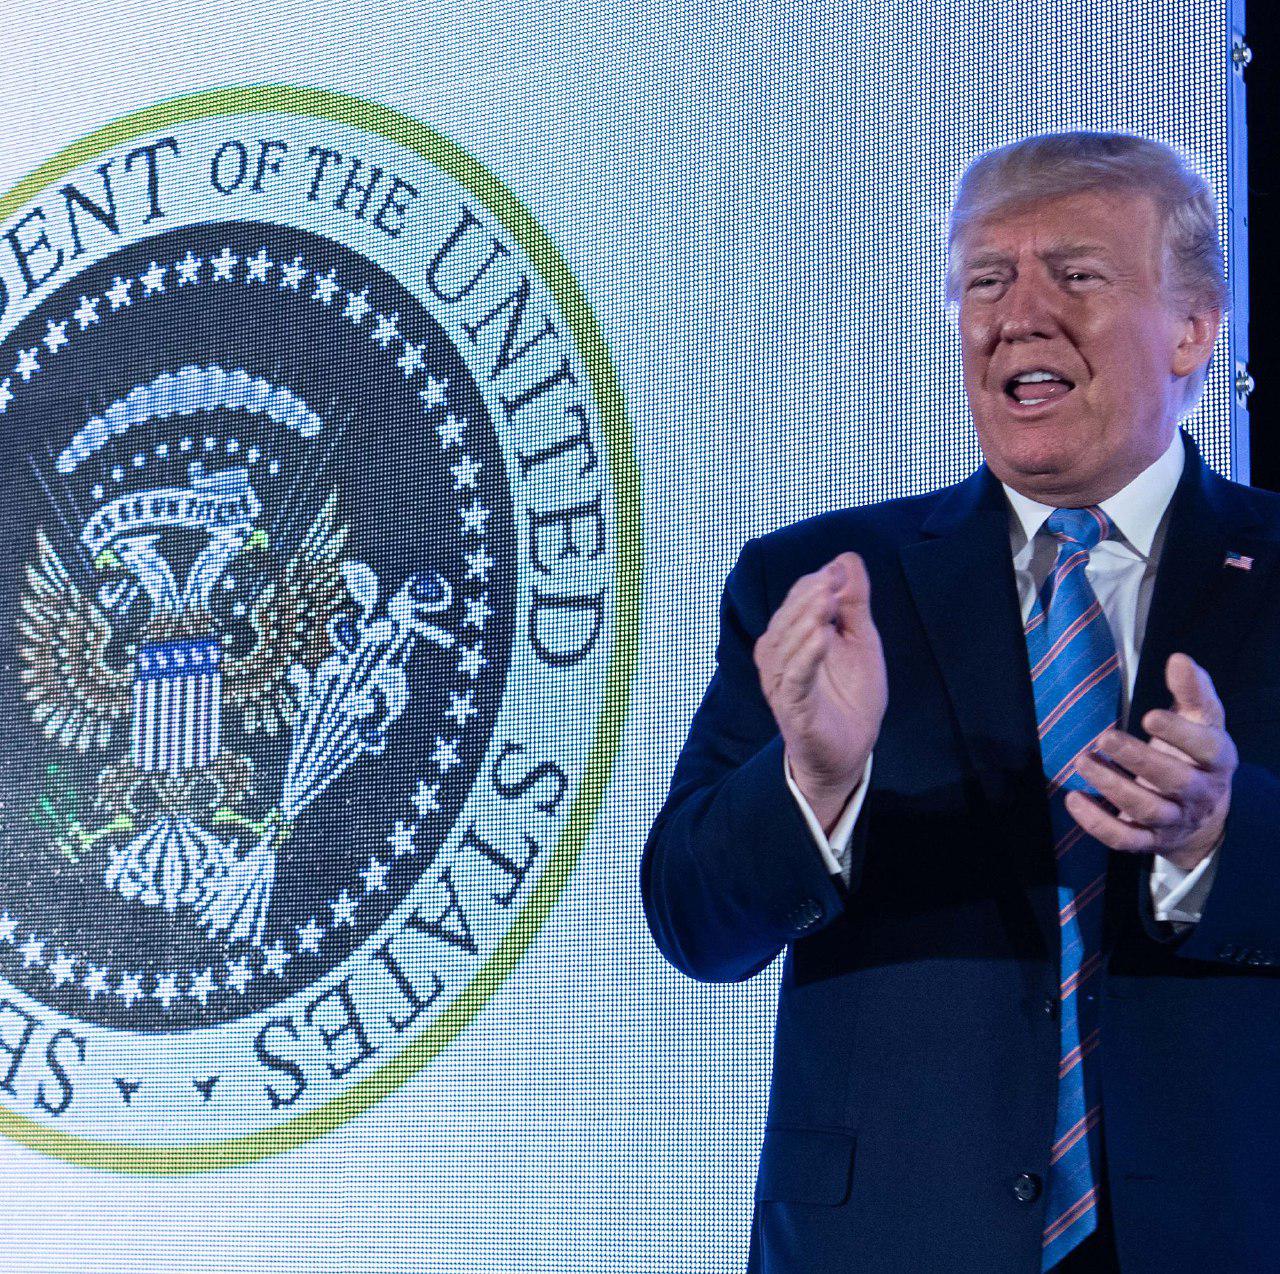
753, 200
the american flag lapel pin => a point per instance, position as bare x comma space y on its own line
1239, 561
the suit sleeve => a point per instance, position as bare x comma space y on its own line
730, 872
1240, 922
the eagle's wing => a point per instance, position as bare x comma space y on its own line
62, 640
290, 621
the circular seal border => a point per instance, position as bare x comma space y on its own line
344, 108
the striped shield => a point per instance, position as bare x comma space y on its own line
177, 704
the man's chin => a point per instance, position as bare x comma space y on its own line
1032, 449
1042, 468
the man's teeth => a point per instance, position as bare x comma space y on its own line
1056, 386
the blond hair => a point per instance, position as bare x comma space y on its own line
1057, 164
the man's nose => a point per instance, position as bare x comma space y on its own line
1027, 310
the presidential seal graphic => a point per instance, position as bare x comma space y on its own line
316, 615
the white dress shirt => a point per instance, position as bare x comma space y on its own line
1121, 571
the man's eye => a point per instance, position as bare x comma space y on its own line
983, 281
1080, 276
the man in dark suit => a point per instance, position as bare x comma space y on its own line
997, 766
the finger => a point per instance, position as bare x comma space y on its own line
796, 678
807, 591
1208, 746
816, 620
1166, 771
841, 574
839, 592
853, 590
1129, 838
1132, 801
806, 596
774, 658
1192, 690
817, 603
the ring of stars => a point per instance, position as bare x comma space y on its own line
168, 987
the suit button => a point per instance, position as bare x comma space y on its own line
1026, 1187
1050, 1005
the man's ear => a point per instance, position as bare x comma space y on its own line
1197, 336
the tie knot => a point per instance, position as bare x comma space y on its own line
1086, 527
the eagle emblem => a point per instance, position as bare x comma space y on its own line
143, 671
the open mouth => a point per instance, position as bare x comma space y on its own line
1037, 388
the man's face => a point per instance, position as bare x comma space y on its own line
1073, 354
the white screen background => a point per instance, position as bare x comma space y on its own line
753, 198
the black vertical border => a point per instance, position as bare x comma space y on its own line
1256, 243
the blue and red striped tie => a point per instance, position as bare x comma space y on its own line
1075, 675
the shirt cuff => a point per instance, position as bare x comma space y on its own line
834, 848
1178, 895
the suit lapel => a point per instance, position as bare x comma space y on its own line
1200, 605
961, 579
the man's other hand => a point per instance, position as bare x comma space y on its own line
1171, 795
822, 670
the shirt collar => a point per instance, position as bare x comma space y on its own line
1135, 509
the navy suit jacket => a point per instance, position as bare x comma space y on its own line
915, 1066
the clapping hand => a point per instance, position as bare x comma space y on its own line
822, 671
1171, 795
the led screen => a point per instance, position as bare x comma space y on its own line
384, 395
